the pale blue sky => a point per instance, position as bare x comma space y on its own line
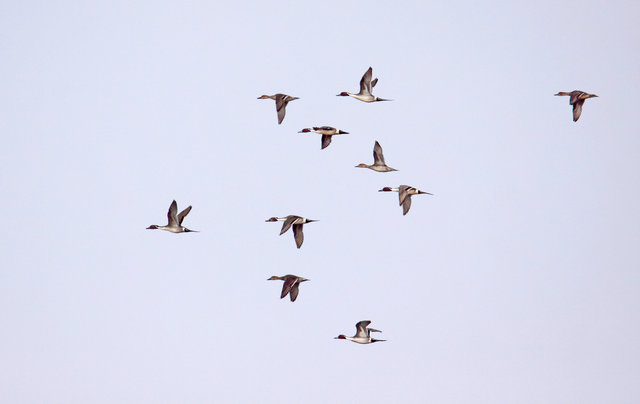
517, 282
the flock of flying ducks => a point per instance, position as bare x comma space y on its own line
292, 282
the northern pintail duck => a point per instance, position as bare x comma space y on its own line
281, 103
577, 100
363, 334
290, 286
378, 161
366, 89
404, 194
296, 222
175, 220
326, 131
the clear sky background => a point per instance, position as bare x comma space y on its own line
517, 282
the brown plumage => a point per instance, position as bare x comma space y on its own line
281, 103
577, 100
290, 286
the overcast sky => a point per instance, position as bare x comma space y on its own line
517, 282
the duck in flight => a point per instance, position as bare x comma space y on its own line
366, 89
404, 194
363, 334
577, 100
378, 161
290, 286
326, 131
296, 222
175, 220
281, 103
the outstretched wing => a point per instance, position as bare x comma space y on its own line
171, 214
406, 205
577, 109
289, 282
326, 141
298, 235
403, 193
183, 214
280, 107
365, 82
294, 291
378, 157
575, 95
287, 223
361, 329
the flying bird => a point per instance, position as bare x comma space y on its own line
296, 222
290, 286
378, 161
577, 100
404, 194
281, 103
366, 86
363, 334
326, 131
175, 220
